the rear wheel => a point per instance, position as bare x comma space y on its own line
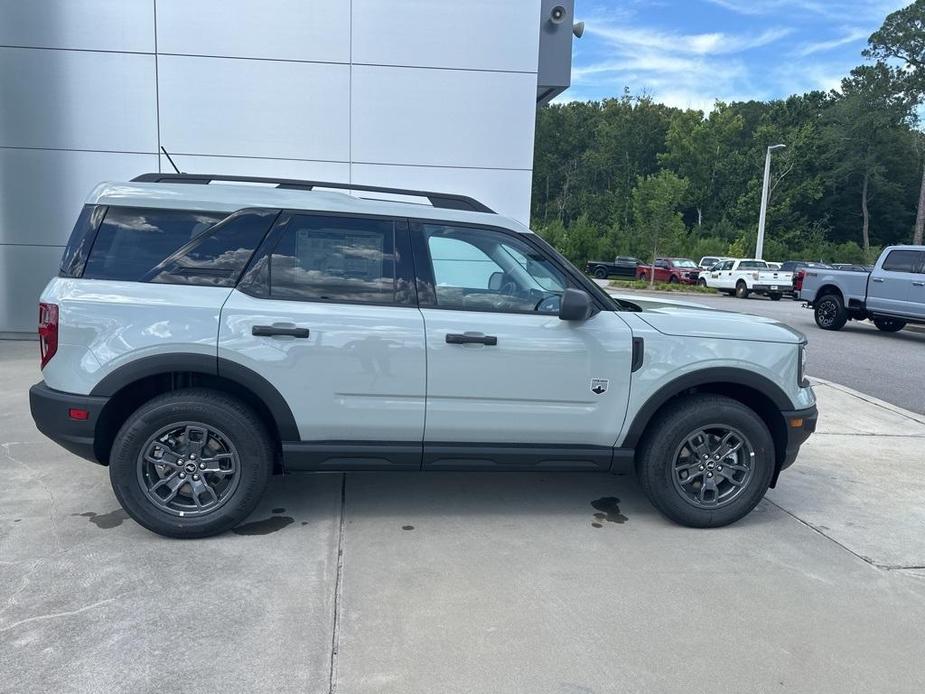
830, 312
191, 463
643, 276
706, 461
889, 325
600, 273
741, 290
774, 297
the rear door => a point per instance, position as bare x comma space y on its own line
898, 286
327, 314
509, 384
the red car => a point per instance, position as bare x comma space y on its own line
671, 270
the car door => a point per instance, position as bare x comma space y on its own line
509, 384
662, 270
722, 278
898, 286
327, 314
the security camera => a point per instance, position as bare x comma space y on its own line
557, 14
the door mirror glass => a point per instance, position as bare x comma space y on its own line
496, 281
575, 305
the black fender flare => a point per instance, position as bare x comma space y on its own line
720, 375
244, 377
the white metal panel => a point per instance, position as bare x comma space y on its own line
283, 29
77, 100
63, 179
336, 172
506, 191
258, 108
481, 34
442, 117
103, 25
24, 272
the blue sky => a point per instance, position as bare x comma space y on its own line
690, 53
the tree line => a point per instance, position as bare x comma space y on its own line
630, 176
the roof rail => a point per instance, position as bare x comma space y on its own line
448, 201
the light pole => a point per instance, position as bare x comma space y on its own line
764, 200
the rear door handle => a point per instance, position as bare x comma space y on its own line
272, 330
471, 339
877, 279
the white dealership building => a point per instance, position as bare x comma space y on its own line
425, 94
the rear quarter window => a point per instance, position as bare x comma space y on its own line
133, 241
81, 240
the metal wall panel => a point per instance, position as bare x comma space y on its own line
41, 191
505, 191
476, 34
450, 118
258, 108
77, 100
102, 25
282, 29
336, 172
25, 270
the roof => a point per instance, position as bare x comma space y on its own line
230, 197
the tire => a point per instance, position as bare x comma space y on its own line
170, 427
741, 290
643, 277
774, 297
889, 325
672, 280
664, 447
600, 273
830, 312
702, 282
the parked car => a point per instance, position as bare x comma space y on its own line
745, 276
708, 261
891, 296
200, 337
670, 270
797, 269
622, 266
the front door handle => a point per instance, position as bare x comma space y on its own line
471, 339
877, 279
271, 330
918, 284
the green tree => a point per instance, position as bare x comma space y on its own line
656, 200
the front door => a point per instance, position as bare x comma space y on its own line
898, 287
509, 384
328, 316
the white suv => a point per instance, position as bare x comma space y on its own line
202, 335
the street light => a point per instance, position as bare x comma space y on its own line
759, 251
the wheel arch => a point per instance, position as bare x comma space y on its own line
133, 384
753, 390
827, 289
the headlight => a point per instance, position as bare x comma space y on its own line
801, 371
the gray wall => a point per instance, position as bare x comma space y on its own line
435, 94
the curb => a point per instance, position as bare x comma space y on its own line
895, 409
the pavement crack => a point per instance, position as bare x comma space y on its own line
56, 615
335, 631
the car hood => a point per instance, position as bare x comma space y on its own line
696, 320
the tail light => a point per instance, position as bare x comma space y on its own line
798, 280
48, 331
754, 275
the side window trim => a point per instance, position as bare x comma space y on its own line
256, 279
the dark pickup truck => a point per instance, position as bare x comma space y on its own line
622, 266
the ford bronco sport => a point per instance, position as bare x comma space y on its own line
205, 332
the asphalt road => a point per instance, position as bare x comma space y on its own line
890, 367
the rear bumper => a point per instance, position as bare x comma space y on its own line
777, 288
50, 411
800, 426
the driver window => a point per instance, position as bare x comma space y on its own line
485, 270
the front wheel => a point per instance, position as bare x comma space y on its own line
600, 273
191, 463
672, 280
706, 461
702, 282
889, 325
830, 312
741, 290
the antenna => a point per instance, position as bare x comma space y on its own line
167, 154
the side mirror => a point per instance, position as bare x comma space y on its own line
575, 305
496, 281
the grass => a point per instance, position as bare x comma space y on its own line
661, 286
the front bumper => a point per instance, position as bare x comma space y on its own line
51, 411
800, 426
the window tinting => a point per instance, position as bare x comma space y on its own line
753, 265
903, 261
326, 258
81, 240
132, 241
486, 270
218, 256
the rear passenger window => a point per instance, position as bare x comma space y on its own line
81, 240
903, 261
132, 241
327, 258
218, 256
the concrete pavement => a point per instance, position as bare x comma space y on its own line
471, 582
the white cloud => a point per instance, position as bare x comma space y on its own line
822, 46
845, 9
716, 43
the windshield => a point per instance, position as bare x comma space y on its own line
683, 262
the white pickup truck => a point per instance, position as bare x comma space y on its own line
891, 296
744, 276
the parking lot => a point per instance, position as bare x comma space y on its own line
465, 582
